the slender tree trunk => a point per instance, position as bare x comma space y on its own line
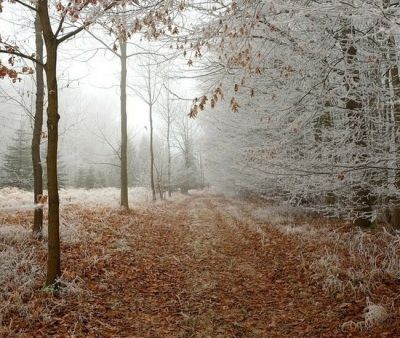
385, 111
124, 129
53, 262
169, 153
53, 267
362, 195
185, 185
187, 168
202, 183
395, 80
152, 153
160, 185
53, 259
160, 190
37, 132
322, 125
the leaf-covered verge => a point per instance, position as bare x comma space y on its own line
200, 266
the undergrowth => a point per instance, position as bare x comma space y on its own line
344, 260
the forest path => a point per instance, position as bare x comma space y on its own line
201, 268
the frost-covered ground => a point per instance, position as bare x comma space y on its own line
288, 257
14, 199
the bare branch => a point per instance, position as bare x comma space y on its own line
73, 33
106, 163
104, 44
176, 95
22, 55
26, 5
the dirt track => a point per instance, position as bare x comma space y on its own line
195, 268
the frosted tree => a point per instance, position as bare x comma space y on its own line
313, 91
122, 27
149, 90
184, 137
168, 114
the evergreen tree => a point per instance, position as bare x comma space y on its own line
17, 163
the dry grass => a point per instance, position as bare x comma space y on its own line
22, 261
346, 262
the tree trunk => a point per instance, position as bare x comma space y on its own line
169, 152
395, 80
152, 153
362, 195
160, 187
188, 153
395, 219
391, 77
124, 129
53, 262
322, 125
202, 180
37, 133
53, 258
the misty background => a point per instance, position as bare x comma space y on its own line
89, 91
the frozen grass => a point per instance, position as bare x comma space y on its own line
327, 269
273, 215
14, 199
19, 271
353, 262
22, 270
373, 257
380, 252
102, 197
13, 234
70, 287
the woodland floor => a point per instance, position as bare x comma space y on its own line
190, 268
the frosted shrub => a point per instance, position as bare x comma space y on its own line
374, 314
